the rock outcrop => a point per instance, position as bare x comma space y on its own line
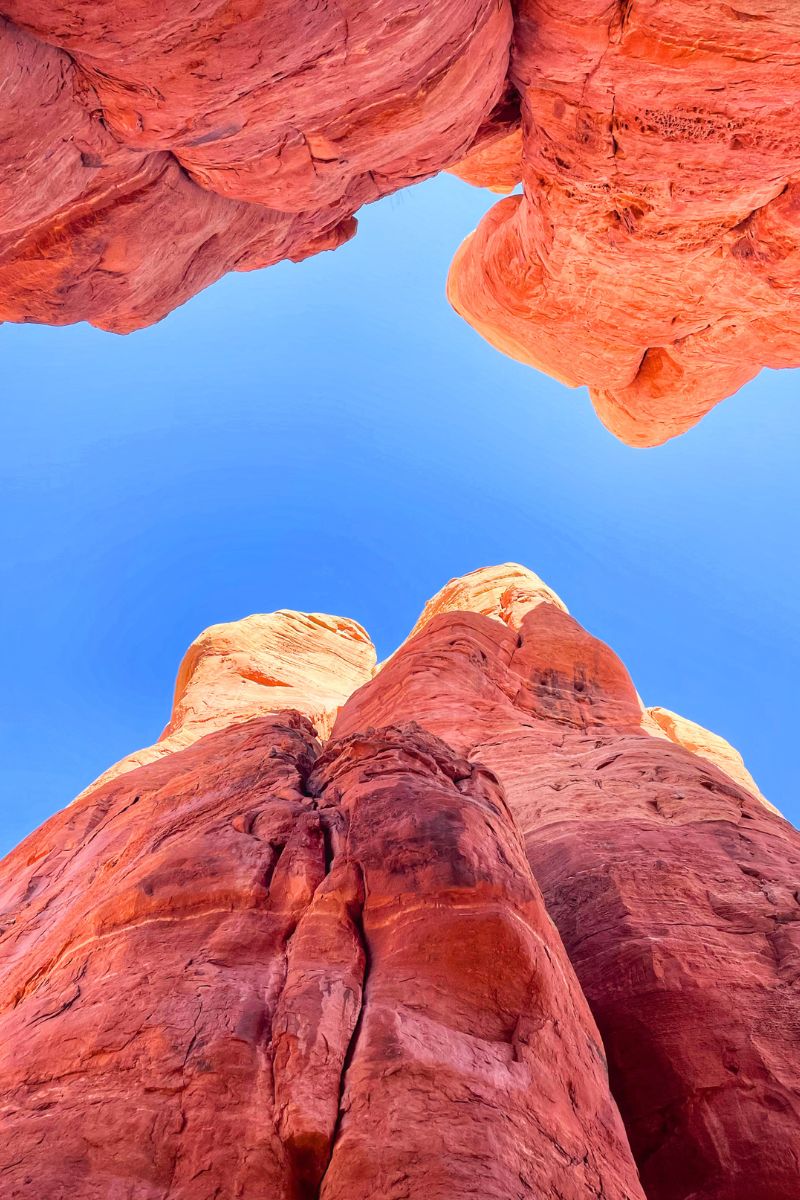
268, 662
260, 965
674, 888
654, 253
144, 153
253, 969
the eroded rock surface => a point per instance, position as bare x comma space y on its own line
251, 969
674, 888
263, 963
704, 743
653, 254
144, 153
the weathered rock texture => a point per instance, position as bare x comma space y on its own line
653, 255
249, 969
257, 966
146, 151
673, 887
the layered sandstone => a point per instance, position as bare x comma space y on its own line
652, 254
144, 154
258, 964
253, 969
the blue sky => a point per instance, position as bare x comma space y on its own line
330, 436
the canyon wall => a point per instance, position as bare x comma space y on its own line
652, 255
437, 939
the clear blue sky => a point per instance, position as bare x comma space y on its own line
330, 436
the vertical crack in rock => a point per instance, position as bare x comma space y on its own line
357, 917
470, 994
315, 1023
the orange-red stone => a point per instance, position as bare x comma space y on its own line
248, 969
654, 254
256, 966
144, 153
673, 887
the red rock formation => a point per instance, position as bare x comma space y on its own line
268, 662
662, 722
247, 969
476, 1068
144, 954
141, 157
497, 165
655, 254
674, 889
256, 967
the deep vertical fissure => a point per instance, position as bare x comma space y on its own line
357, 918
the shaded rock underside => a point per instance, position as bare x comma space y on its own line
653, 253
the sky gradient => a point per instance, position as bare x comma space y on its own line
330, 436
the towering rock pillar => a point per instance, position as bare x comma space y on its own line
248, 968
673, 887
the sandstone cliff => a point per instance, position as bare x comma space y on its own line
281, 961
653, 255
253, 969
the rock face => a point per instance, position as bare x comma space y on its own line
250, 969
261, 966
143, 155
654, 254
673, 887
